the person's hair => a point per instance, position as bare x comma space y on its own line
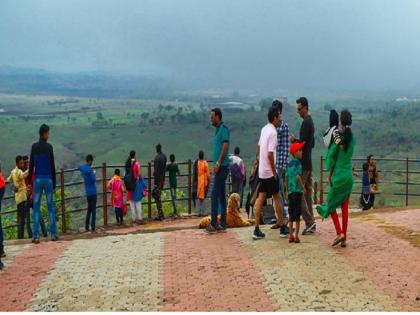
201, 155
131, 156
117, 171
25, 157
218, 112
158, 148
237, 151
333, 118
172, 158
365, 167
369, 157
277, 104
89, 158
303, 101
273, 113
43, 130
346, 121
18, 159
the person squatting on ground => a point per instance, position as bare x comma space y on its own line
89, 177
220, 172
42, 163
267, 172
339, 164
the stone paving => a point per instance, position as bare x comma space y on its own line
184, 269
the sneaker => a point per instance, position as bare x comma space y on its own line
1, 265
297, 240
284, 231
221, 229
35, 240
309, 229
54, 238
258, 234
275, 226
291, 239
3, 254
211, 229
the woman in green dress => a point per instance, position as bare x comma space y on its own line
339, 163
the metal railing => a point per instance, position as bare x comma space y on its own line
398, 180
70, 188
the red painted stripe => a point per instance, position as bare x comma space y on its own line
211, 273
20, 280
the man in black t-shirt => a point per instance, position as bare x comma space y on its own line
307, 131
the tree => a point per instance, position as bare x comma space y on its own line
99, 115
265, 102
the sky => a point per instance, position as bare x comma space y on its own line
336, 44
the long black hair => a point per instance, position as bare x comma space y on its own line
131, 156
346, 121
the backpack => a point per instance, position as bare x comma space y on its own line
235, 172
268, 215
129, 180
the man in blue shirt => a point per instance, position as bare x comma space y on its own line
89, 176
220, 171
282, 160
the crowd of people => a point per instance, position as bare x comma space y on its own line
281, 172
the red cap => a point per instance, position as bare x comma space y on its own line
296, 146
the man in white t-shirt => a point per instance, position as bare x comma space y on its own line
267, 172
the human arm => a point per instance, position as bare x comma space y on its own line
221, 157
301, 184
52, 165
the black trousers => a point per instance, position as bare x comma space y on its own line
21, 218
91, 212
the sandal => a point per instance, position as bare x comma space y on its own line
338, 240
343, 244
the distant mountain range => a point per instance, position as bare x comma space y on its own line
83, 84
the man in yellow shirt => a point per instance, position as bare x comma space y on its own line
17, 178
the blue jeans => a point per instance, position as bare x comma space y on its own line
282, 203
91, 212
218, 196
43, 184
1, 227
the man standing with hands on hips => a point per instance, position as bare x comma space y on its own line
220, 171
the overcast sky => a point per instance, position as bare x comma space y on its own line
224, 43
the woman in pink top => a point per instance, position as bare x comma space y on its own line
132, 166
117, 188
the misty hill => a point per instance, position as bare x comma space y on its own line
83, 84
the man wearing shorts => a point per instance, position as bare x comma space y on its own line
267, 172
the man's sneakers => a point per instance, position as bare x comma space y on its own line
310, 229
220, 229
211, 229
35, 240
55, 237
258, 234
284, 231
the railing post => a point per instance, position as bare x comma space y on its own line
63, 203
321, 182
189, 186
149, 196
406, 184
104, 194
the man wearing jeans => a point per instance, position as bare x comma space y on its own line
220, 171
307, 131
282, 160
2, 189
42, 163
89, 178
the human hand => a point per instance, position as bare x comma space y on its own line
292, 138
216, 169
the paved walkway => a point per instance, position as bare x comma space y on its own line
173, 267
